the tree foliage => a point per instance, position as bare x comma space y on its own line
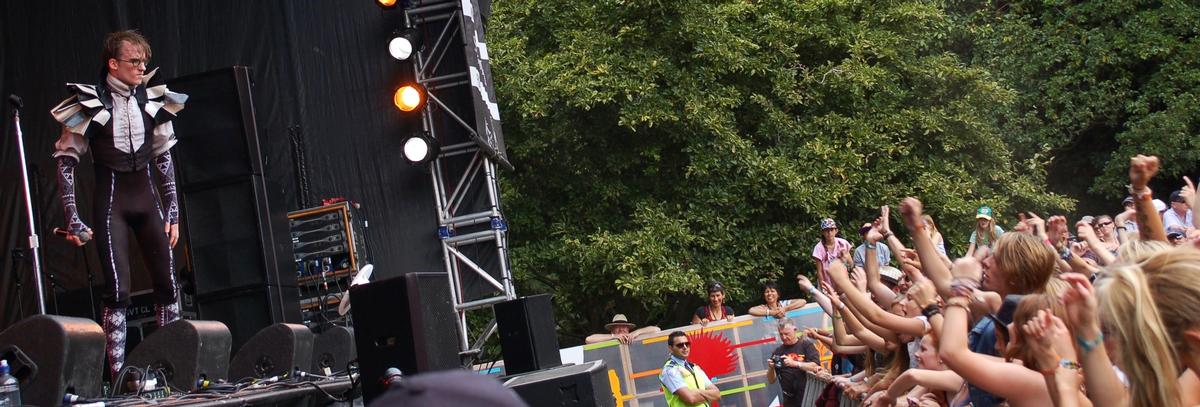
1121, 75
662, 144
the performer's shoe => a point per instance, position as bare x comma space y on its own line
166, 314
113, 323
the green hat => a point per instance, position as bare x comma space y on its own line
984, 212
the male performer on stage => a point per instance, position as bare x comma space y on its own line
127, 126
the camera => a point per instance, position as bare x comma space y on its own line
777, 361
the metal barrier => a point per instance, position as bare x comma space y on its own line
813, 388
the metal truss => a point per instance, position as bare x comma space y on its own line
471, 226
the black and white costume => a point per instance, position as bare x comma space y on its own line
126, 130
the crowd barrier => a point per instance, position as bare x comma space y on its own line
813, 388
733, 352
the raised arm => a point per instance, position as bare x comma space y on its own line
817, 295
883, 294
1104, 388
940, 380
932, 266
1084, 231
872, 312
1141, 170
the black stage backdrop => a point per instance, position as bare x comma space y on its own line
319, 66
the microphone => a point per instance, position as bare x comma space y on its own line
84, 236
15, 101
391, 377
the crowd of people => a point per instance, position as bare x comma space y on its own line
1031, 316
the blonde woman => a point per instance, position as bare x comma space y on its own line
986, 231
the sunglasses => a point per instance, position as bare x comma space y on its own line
682, 345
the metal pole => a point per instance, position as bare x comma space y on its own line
33, 237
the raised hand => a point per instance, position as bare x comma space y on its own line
885, 219
874, 236
1141, 170
923, 292
1188, 193
1056, 229
911, 209
804, 282
1080, 301
859, 278
1022, 223
1084, 231
1049, 339
837, 271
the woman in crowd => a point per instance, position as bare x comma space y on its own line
716, 309
986, 231
830, 248
772, 305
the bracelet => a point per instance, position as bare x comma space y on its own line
931, 310
887, 235
1088, 345
1063, 363
871, 246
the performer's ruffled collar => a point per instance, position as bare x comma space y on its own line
117, 87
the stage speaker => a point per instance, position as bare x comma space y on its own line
221, 131
406, 322
274, 351
528, 340
186, 350
248, 310
52, 355
333, 349
572, 385
235, 227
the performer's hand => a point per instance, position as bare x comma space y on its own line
74, 239
172, 231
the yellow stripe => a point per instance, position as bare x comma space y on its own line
693, 332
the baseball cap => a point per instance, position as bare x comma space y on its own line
984, 212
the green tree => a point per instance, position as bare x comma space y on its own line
1096, 82
662, 144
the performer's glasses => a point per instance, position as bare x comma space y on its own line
134, 62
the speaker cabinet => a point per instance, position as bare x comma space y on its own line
527, 337
234, 226
333, 349
185, 351
405, 322
52, 355
273, 351
573, 385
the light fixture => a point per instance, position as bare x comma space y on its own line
403, 44
410, 97
420, 148
386, 3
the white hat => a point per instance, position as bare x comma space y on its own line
1159, 205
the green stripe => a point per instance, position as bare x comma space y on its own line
602, 345
743, 389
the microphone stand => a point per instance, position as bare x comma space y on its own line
33, 236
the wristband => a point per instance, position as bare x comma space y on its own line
1088, 345
931, 310
887, 235
1063, 363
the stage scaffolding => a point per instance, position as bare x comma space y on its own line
461, 115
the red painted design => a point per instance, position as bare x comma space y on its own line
714, 353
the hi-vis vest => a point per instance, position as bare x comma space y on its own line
693, 378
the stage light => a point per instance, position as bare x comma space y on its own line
403, 44
420, 148
409, 97
386, 3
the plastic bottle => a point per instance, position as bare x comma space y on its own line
10, 389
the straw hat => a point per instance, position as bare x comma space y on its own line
619, 320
